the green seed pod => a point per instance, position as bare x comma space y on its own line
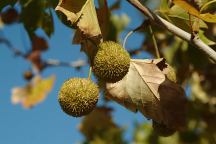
162, 130
171, 75
111, 62
78, 96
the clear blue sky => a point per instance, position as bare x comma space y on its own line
46, 123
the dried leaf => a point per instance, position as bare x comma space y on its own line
39, 43
10, 16
146, 88
33, 93
82, 14
103, 14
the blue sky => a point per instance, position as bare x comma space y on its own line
46, 123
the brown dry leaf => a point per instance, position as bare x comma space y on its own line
82, 14
39, 43
34, 92
146, 88
103, 14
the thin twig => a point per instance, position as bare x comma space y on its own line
75, 64
154, 42
130, 33
16, 51
49, 62
155, 19
90, 73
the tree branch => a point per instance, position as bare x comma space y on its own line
49, 62
75, 64
155, 19
16, 51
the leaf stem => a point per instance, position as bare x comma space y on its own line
131, 32
154, 42
90, 73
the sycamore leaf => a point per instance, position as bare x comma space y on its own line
164, 5
71, 8
82, 14
146, 88
33, 93
103, 14
208, 17
180, 18
206, 5
186, 6
205, 39
193, 11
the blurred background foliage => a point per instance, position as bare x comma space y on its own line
195, 72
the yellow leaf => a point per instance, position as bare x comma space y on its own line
187, 7
208, 17
82, 14
39, 91
33, 93
191, 10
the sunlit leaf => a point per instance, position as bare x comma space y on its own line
186, 6
206, 5
205, 39
193, 11
33, 93
208, 17
180, 18
164, 6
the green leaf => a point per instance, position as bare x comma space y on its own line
205, 39
208, 17
191, 10
164, 7
180, 18
206, 5
31, 15
47, 23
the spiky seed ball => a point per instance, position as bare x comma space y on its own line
111, 62
162, 130
78, 96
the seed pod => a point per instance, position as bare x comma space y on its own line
111, 62
78, 96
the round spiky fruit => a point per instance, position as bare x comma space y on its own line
162, 129
78, 96
111, 62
